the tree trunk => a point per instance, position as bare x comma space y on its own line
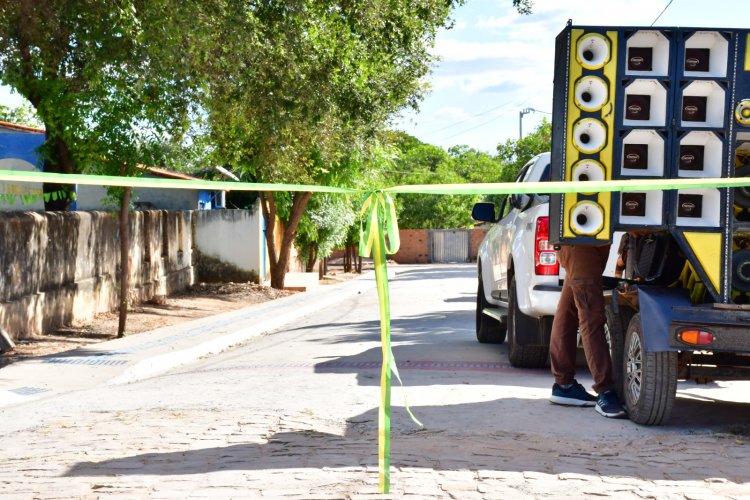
58, 197
312, 258
279, 259
347, 262
124, 261
359, 264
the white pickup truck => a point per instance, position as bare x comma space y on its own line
519, 282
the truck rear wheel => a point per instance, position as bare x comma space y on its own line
650, 381
616, 328
524, 350
489, 329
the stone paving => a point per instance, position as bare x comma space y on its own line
172, 454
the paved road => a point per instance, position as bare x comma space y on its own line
292, 414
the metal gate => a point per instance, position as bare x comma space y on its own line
450, 245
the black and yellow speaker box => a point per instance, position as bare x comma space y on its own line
583, 120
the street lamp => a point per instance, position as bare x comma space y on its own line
524, 111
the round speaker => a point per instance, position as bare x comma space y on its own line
586, 218
588, 170
592, 51
742, 194
742, 112
741, 270
591, 93
589, 135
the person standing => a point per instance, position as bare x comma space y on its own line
581, 309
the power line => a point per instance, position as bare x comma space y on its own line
662, 12
469, 118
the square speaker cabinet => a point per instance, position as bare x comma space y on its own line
700, 154
698, 207
640, 208
648, 53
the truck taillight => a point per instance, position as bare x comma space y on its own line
545, 256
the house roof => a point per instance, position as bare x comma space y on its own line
161, 172
22, 128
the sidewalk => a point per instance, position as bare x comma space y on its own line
146, 354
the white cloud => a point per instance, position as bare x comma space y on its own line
451, 114
458, 50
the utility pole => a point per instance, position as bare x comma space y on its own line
524, 111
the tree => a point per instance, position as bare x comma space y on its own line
420, 163
307, 79
324, 226
81, 65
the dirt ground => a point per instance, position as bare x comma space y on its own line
201, 300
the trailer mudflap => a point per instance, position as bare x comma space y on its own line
657, 305
729, 327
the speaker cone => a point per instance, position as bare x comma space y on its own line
591, 93
694, 108
697, 59
592, 51
741, 270
742, 194
588, 170
589, 135
742, 112
586, 218
635, 156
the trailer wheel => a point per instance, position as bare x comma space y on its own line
615, 329
650, 378
524, 350
489, 330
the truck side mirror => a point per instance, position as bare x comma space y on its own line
484, 212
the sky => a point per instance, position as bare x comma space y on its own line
495, 63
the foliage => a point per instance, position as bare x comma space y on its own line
323, 227
420, 163
514, 154
21, 115
301, 87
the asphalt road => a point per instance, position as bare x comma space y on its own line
293, 414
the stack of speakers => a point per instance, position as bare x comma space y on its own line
673, 108
584, 93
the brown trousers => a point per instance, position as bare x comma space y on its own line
581, 308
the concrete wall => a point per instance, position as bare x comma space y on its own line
234, 237
56, 267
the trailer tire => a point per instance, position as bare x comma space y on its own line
650, 378
616, 328
524, 350
489, 330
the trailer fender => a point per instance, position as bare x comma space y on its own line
656, 305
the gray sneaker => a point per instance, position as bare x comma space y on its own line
575, 395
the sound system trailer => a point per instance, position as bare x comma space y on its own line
660, 103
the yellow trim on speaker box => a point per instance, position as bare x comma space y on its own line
747, 53
707, 249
